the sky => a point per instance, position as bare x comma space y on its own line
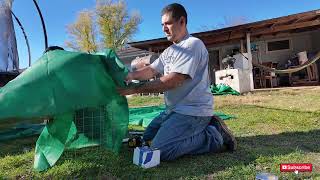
202, 15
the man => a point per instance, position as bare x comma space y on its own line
184, 127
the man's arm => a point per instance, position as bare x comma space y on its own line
165, 83
144, 73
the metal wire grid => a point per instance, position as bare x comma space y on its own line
92, 123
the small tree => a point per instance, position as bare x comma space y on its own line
116, 26
83, 33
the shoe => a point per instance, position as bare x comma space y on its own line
229, 141
134, 142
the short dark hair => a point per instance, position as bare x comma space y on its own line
176, 10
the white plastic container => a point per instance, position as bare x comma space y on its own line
302, 57
241, 61
237, 79
146, 157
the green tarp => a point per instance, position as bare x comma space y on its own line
58, 85
142, 116
222, 89
21, 130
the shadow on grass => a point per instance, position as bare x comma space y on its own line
250, 149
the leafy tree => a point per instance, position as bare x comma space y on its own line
83, 33
116, 25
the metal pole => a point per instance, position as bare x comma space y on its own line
25, 36
43, 25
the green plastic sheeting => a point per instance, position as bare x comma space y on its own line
142, 116
60, 82
59, 85
224, 116
21, 130
222, 89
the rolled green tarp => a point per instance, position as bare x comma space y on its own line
223, 89
60, 84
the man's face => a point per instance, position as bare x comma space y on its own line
171, 28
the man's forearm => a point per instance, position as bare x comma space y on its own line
163, 84
156, 86
144, 73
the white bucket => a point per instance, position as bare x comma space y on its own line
302, 57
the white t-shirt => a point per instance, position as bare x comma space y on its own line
189, 57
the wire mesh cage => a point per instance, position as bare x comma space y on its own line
90, 123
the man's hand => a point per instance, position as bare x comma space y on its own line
129, 77
165, 83
144, 73
126, 91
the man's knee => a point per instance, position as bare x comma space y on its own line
167, 152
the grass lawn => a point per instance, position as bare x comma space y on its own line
271, 127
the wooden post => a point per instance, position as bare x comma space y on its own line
250, 61
241, 46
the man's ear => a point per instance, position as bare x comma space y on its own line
182, 20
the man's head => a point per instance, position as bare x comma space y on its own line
174, 22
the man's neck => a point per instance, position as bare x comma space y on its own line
181, 37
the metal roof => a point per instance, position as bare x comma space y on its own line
287, 24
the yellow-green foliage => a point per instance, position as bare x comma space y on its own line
116, 26
109, 21
83, 33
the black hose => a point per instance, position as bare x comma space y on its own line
43, 25
25, 36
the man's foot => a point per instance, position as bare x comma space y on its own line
228, 139
134, 142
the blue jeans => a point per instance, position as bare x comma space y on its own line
176, 134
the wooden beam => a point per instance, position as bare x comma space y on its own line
260, 24
236, 36
287, 27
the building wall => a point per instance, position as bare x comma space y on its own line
307, 41
316, 40
316, 46
298, 43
